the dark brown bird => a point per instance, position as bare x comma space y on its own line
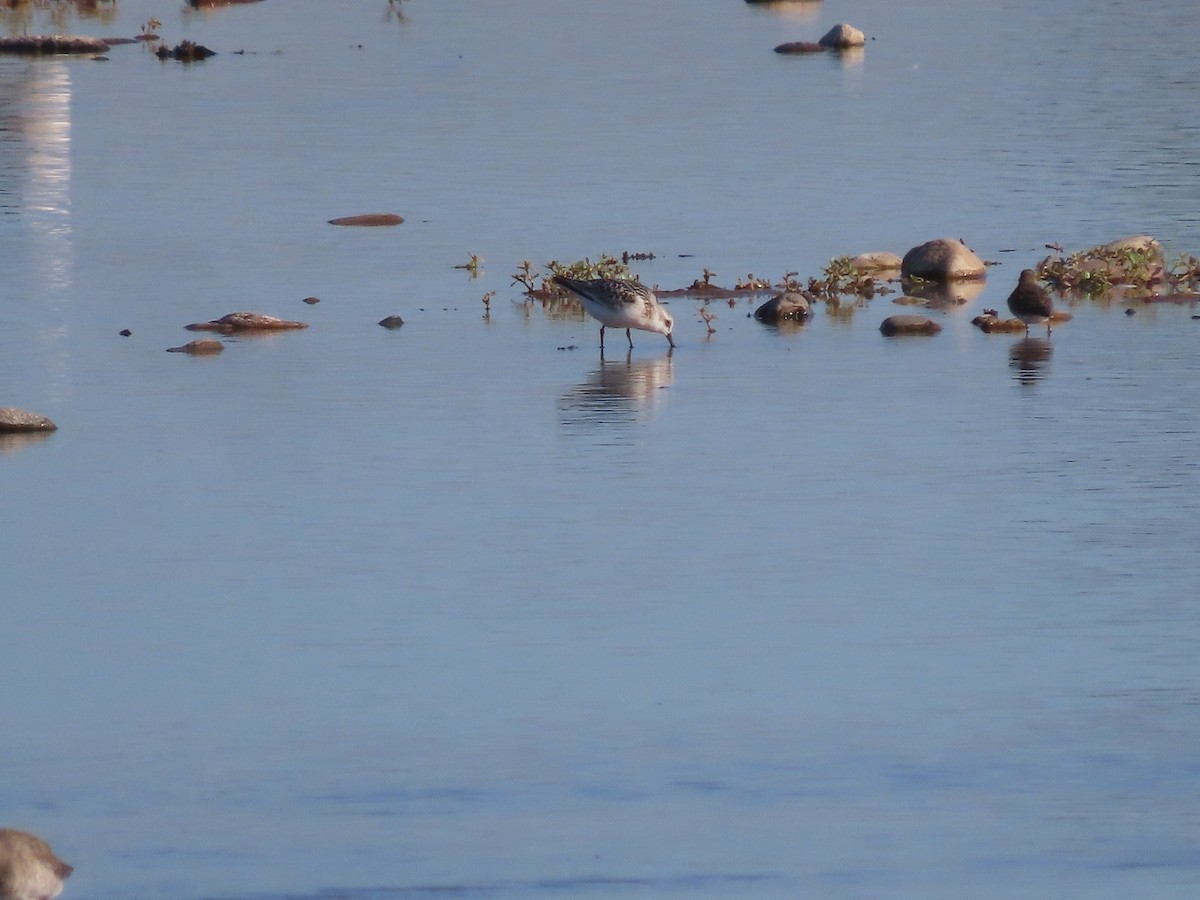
29, 870
1030, 302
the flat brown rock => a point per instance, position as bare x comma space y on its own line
199, 348
369, 220
908, 324
52, 43
14, 420
245, 321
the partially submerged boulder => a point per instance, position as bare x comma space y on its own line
245, 321
842, 37
14, 420
199, 348
391, 322
787, 307
369, 220
942, 259
908, 324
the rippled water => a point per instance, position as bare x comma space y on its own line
459, 609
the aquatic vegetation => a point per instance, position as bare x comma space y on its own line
1133, 263
843, 278
472, 264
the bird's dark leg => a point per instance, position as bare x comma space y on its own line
601, 337
629, 336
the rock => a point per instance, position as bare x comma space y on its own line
1136, 242
943, 259
312, 301
36, 44
787, 307
989, 323
392, 322
21, 420
909, 324
199, 348
369, 220
800, 47
188, 51
125, 332
245, 321
877, 261
841, 36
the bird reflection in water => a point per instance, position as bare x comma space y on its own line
619, 393
1028, 358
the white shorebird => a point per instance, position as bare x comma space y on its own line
1030, 302
619, 303
29, 870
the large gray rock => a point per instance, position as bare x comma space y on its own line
15, 420
841, 36
942, 259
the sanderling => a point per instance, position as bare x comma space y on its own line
29, 870
1030, 302
620, 304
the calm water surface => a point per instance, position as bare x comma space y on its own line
454, 609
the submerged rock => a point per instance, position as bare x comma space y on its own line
942, 259
36, 44
369, 220
990, 323
14, 420
842, 36
199, 348
245, 321
392, 322
800, 47
908, 324
187, 51
786, 307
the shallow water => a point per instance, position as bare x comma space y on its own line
357, 613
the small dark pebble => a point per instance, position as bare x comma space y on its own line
1130, 311
392, 322
569, 347
312, 300
125, 332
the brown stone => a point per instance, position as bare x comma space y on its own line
908, 324
245, 321
369, 220
36, 44
13, 419
199, 348
942, 259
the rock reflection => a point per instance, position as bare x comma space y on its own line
618, 394
950, 295
35, 161
1028, 358
14, 443
796, 10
